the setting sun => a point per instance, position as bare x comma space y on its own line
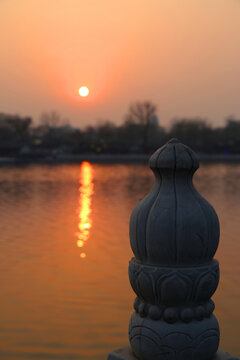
83, 91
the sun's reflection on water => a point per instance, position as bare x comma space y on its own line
86, 191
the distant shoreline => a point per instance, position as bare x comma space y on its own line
107, 159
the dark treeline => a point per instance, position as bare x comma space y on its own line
139, 133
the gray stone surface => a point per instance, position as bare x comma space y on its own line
127, 354
174, 234
122, 354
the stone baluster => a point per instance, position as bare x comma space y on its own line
174, 234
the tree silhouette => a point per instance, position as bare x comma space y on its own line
52, 119
143, 114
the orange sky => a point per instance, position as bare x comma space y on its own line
184, 55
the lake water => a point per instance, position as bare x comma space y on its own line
64, 252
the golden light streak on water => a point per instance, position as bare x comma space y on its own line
86, 191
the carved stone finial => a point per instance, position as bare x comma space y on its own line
174, 234
174, 224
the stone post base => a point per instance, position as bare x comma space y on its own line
127, 354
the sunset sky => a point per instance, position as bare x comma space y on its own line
184, 55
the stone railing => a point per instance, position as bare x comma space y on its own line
174, 234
